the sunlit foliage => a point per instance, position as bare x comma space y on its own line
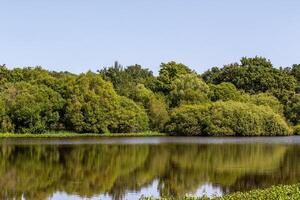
132, 99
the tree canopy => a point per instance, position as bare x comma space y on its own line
252, 97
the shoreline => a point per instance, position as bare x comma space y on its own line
74, 135
112, 135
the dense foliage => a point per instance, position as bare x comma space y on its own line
248, 98
94, 106
226, 118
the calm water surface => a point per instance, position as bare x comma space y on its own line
127, 168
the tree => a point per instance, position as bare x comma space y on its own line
3, 74
188, 88
253, 75
295, 72
154, 104
292, 110
224, 91
124, 78
6, 125
128, 117
120, 80
31, 108
95, 107
169, 72
138, 75
256, 61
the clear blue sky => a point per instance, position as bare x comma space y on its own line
78, 35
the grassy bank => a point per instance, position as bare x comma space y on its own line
72, 134
276, 192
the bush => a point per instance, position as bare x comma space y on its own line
128, 118
297, 130
226, 118
264, 99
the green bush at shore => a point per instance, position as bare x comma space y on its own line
296, 130
226, 118
291, 192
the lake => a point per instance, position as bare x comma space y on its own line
127, 168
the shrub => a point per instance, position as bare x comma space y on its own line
128, 117
297, 130
226, 118
264, 99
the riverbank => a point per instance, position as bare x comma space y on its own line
100, 135
276, 192
72, 134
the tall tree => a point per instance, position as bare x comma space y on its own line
169, 72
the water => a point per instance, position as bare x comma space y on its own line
127, 168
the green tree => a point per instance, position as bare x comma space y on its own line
116, 75
253, 75
4, 72
169, 72
154, 104
224, 91
128, 117
32, 108
295, 72
143, 76
292, 110
95, 107
187, 89
124, 78
6, 125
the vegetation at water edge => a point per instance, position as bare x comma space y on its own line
291, 192
249, 98
73, 134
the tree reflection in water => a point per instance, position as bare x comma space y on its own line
38, 171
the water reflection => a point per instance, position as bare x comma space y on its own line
41, 171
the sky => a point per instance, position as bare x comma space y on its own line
81, 35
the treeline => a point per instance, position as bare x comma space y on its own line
248, 98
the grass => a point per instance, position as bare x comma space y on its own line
72, 134
289, 192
